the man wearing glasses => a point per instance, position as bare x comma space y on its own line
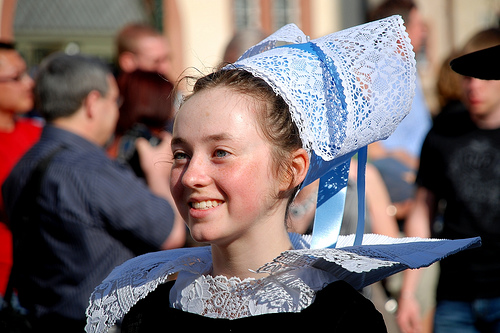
17, 135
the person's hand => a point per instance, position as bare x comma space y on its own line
156, 162
408, 316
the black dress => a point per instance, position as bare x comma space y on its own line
336, 308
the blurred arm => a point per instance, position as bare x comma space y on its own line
378, 200
156, 163
418, 224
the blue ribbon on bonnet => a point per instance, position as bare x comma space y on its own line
333, 176
330, 204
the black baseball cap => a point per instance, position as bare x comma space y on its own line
483, 64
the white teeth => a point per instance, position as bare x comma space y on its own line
206, 204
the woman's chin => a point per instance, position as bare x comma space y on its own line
201, 236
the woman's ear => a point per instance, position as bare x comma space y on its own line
296, 170
300, 166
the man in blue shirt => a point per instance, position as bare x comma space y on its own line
91, 214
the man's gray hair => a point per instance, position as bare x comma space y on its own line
64, 81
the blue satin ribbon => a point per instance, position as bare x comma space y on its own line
330, 207
361, 180
331, 202
333, 176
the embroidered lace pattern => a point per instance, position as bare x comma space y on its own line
344, 90
137, 277
220, 297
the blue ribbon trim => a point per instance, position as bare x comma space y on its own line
361, 187
330, 207
331, 202
333, 176
313, 49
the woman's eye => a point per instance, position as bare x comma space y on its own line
179, 156
221, 153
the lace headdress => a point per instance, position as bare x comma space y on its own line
344, 91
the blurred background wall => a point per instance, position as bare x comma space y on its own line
199, 30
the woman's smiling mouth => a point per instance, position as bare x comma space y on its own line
206, 204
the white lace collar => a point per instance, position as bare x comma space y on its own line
362, 265
232, 298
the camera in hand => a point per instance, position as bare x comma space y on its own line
127, 152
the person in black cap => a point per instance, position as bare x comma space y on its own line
460, 166
482, 64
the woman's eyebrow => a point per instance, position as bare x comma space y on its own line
210, 138
219, 137
177, 141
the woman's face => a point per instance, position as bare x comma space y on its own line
222, 177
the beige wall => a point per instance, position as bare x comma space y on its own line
207, 25
207, 28
324, 18
451, 23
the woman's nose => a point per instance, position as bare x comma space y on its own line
196, 173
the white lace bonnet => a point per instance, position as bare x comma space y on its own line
344, 90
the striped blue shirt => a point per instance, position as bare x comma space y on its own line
94, 214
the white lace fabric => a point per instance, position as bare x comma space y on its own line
345, 90
232, 298
136, 278
294, 277
197, 292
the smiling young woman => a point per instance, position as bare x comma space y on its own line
244, 142
233, 164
